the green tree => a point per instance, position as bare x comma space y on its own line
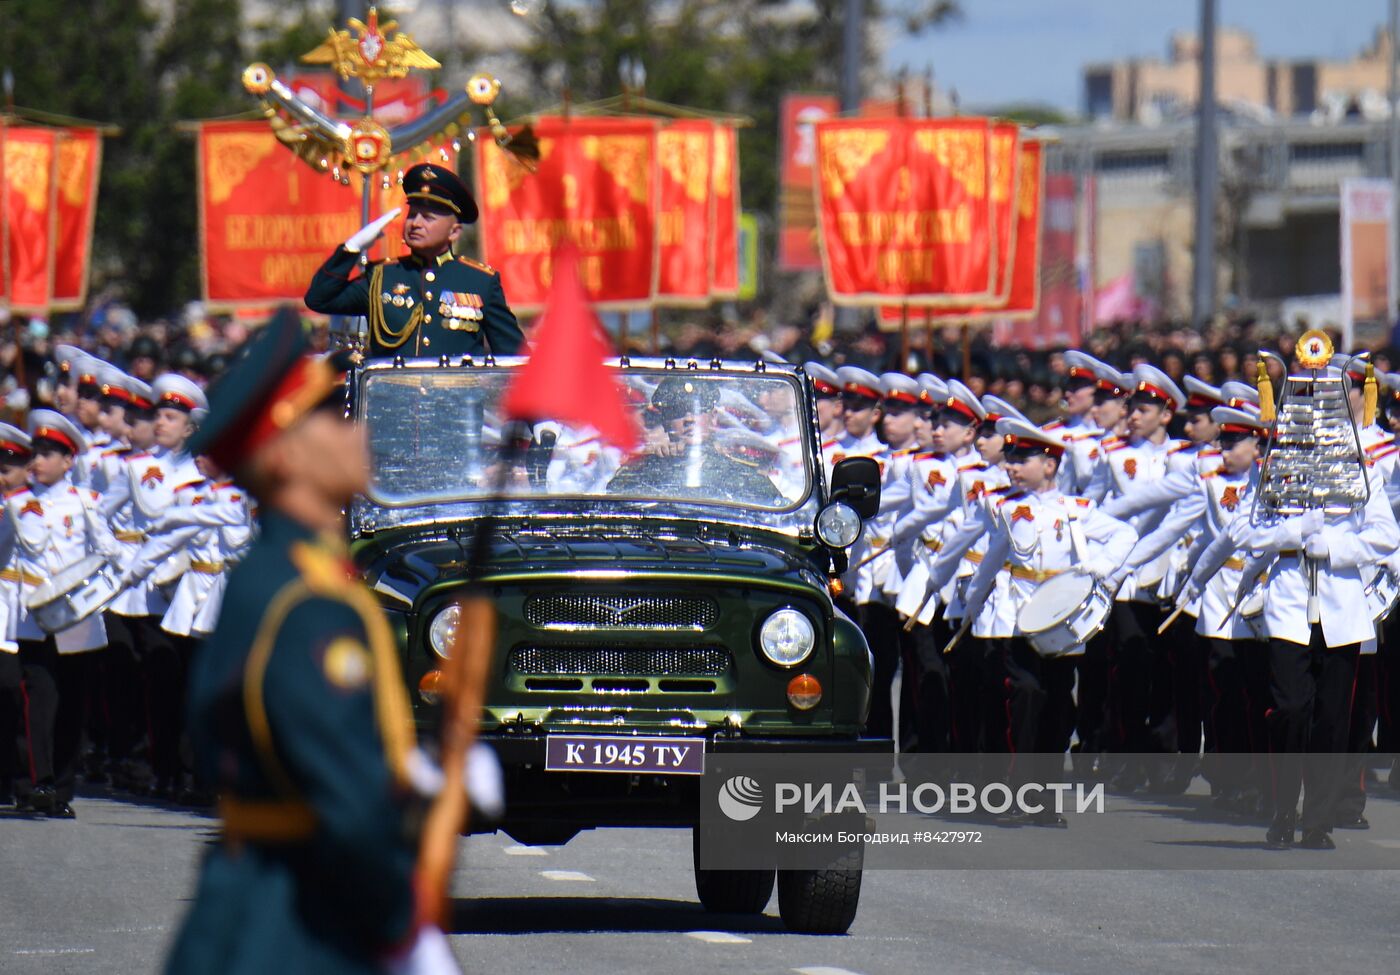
114, 64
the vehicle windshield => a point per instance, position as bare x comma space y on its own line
436, 436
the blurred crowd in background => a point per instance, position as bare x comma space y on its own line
198, 345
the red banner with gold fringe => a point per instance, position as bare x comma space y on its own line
267, 221
30, 217
724, 260
596, 187
905, 211
685, 153
79, 170
1014, 175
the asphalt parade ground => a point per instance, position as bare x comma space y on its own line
106, 892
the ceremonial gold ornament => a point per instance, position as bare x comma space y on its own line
1314, 350
371, 51
257, 78
372, 54
369, 145
483, 89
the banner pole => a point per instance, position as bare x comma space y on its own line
656, 330
966, 352
623, 327
904, 337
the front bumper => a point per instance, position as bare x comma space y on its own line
528, 748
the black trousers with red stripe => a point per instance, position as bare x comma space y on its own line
162, 664
1312, 690
11, 721
1040, 711
926, 664
55, 687
1365, 704
1238, 672
880, 624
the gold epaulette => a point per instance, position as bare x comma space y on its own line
479, 265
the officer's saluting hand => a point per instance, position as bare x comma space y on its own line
428, 302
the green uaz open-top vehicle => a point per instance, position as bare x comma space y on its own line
652, 608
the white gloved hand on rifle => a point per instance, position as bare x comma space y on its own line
1316, 547
370, 232
1310, 522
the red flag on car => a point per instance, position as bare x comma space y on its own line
565, 378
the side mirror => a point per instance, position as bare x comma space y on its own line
856, 482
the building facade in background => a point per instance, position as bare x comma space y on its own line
1152, 90
1290, 133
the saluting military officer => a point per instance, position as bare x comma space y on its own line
297, 708
428, 302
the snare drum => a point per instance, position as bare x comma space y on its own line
1064, 613
1382, 593
73, 594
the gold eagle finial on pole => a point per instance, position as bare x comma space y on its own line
371, 54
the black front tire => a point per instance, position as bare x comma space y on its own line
731, 891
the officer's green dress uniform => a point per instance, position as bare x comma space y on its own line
299, 715
443, 306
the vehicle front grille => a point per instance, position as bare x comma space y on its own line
620, 661
602, 611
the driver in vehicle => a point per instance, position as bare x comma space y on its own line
686, 462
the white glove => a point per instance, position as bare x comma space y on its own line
370, 232
428, 955
485, 784
1188, 595
1310, 522
1316, 547
1117, 577
1100, 569
482, 778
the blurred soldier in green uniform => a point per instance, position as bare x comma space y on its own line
298, 711
427, 303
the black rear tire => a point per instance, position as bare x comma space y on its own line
819, 901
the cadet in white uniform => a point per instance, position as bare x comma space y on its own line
14, 473
211, 521
1312, 666
1141, 691
1078, 429
826, 386
1031, 531
134, 502
875, 577
55, 524
128, 410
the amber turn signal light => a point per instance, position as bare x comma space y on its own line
804, 692
429, 686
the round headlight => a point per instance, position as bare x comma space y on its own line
787, 638
838, 525
443, 630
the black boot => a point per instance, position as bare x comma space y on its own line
1280, 834
43, 799
1316, 839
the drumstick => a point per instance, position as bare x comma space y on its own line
913, 621
1171, 619
871, 558
957, 637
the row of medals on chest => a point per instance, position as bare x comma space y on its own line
458, 309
